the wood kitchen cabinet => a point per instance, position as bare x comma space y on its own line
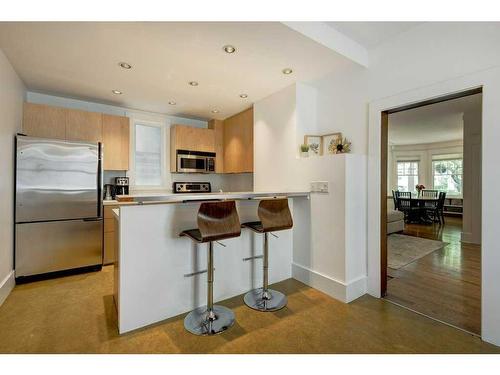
44, 121
109, 255
83, 126
238, 142
116, 142
218, 128
190, 138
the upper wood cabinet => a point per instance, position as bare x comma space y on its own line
44, 121
190, 138
116, 142
218, 128
74, 125
83, 126
238, 142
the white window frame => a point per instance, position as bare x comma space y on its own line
163, 167
409, 160
448, 194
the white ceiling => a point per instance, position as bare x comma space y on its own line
440, 122
80, 60
371, 34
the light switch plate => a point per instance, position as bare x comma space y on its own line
319, 186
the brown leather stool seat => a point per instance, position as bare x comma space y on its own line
274, 215
216, 221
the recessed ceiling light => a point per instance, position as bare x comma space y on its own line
125, 65
116, 92
287, 71
229, 49
172, 102
243, 96
215, 111
193, 83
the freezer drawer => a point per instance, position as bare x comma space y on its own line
57, 245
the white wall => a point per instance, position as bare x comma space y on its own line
275, 138
430, 60
12, 94
471, 231
330, 254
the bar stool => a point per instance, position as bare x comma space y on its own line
216, 221
274, 215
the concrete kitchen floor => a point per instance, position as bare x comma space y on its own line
76, 314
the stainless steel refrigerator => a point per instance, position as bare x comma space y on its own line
58, 214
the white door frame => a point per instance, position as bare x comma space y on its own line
489, 80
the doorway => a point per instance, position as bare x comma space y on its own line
431, 208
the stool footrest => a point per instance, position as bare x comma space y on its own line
195, 273
252, 258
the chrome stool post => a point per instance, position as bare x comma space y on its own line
275, 215
216, 220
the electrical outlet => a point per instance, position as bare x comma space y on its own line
319, 186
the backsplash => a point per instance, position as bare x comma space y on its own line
109, 176
224, 182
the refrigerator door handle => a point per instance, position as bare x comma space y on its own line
99, 180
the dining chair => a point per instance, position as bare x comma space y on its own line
436, 211
429, 193
410, 208
440, 205
395, 199
404, 194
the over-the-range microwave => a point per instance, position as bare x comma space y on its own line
195, 161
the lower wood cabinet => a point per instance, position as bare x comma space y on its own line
109, 256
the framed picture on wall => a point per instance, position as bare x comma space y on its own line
315, 144
329, 140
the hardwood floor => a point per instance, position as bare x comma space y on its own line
445, 284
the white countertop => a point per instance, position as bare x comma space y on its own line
177, 198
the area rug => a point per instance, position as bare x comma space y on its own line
402, 250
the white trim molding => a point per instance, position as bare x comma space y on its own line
344, 292
6, 286
489, 80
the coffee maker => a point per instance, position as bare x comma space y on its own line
109, 192
121, 186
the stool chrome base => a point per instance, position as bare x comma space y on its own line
198, 323
275, 300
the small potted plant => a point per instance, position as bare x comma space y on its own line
304, 150
419, 188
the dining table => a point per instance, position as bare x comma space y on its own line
423, 216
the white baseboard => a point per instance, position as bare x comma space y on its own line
467, 237
344, 292
6, 286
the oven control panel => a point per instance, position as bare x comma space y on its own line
192, 187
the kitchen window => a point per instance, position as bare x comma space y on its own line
148, 155
447, 176
407, 175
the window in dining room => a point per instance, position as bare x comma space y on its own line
407, 175
447, 176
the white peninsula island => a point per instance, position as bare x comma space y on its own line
159, 275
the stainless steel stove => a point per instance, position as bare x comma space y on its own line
191, 187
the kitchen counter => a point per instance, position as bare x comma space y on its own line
157, 273
179, 198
